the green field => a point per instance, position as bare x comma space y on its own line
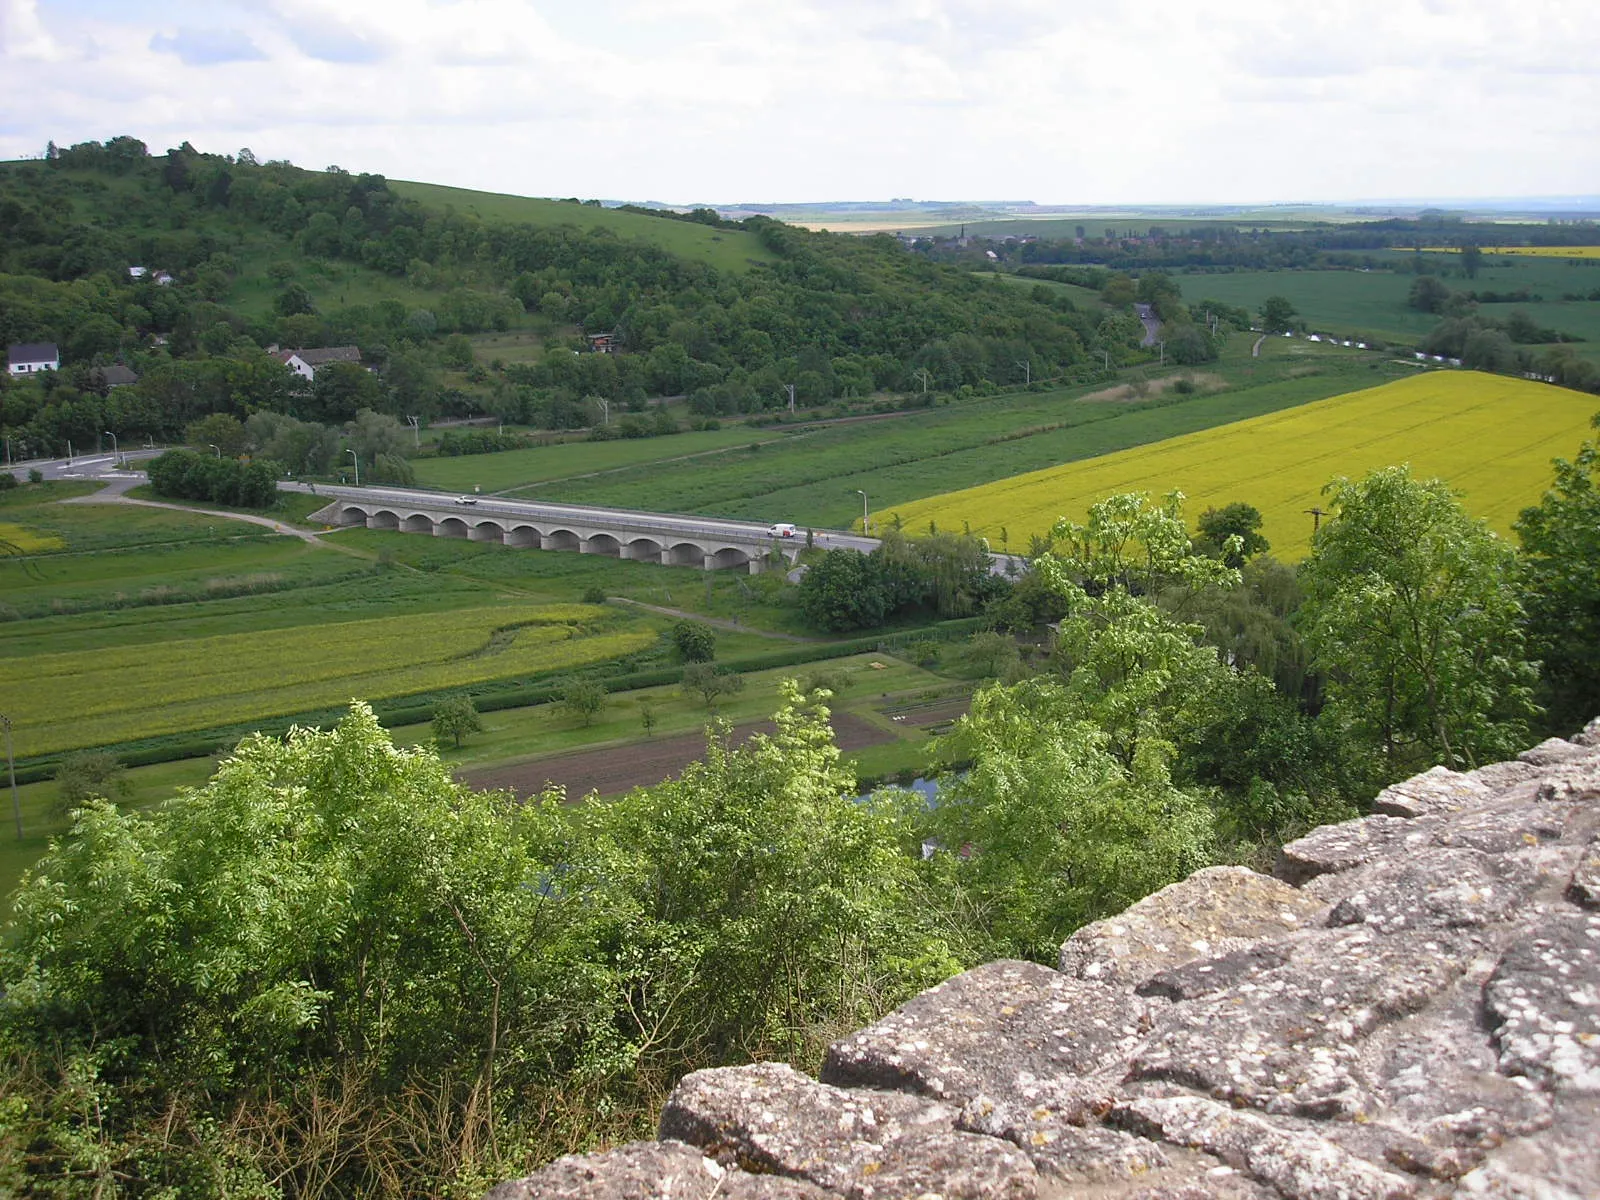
1490, 437
812, 477
725, 249
1368, 304
514, 468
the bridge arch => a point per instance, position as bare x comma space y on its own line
685, 554
525, 536
451, 527
562, 539
643, 550
488, 531
383, 519
602, 543
417, 523
728, 558
351, 514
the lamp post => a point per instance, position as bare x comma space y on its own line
11, 770
357, 462
863, 495
215, 447
116, 451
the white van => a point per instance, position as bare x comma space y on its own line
781, 530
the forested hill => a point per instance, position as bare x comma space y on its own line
263, 253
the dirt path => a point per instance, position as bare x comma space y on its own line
613, 771
1255, 351
114, 493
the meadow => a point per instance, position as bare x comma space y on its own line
564, 460
104, 696
812, 478
1490, 437
725, 249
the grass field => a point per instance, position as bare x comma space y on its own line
1529, 251
514, 468
1490, 437
725, 249
812, 477
142, 689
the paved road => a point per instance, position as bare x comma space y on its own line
1152, 324
539, 510
79, 466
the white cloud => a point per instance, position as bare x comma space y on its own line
699, 100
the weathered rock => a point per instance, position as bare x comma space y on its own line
1584, 886
1440, 888
770, 1117
1590, 735
1211, 912
1299, 1165
649, 1171
1561, 1163
1063, 1140
1439, 790
1544, 1001
1556, 750
1289, 1039
1008, 1028
959, 1166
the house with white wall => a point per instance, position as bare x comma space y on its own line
29, 358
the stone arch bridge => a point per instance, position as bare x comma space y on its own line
712, 545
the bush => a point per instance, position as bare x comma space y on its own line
7, 481
185, 475
35, 475
695, 642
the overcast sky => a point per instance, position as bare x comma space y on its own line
1056, 101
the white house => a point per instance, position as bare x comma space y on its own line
304, 363
26, 358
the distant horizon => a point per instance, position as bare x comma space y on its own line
819, 98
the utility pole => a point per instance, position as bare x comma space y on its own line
864, 527
789, 387
1027, 371
605, 410
416, 429
1163, 347
922, 376
355, 459
1316, 519
1106, 354
11, 769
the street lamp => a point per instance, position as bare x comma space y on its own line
215, 447
115, 451
863, 495
357, 462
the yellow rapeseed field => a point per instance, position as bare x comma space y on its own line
1491, 437
1534, 251
95, 697
15, 539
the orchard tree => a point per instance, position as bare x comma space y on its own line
454, 718
1412, 613
694, 642
582, 699
710, 683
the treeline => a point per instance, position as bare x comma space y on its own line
189, 476
333, 970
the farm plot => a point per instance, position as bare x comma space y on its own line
1490, 437
139, 690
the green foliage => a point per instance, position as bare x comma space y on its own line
1561, 586
454, 718
1236, 520
1278, 314
86, 775
185, 475
1061, 830
694, 641
1412, 612
711, 683
582, 698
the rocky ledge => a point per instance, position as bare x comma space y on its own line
1410, 1008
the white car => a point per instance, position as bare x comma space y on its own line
466, 499
781, 530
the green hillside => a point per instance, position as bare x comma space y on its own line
725, 249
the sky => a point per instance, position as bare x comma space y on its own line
685, 101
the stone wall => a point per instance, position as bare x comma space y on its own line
1410, 1008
